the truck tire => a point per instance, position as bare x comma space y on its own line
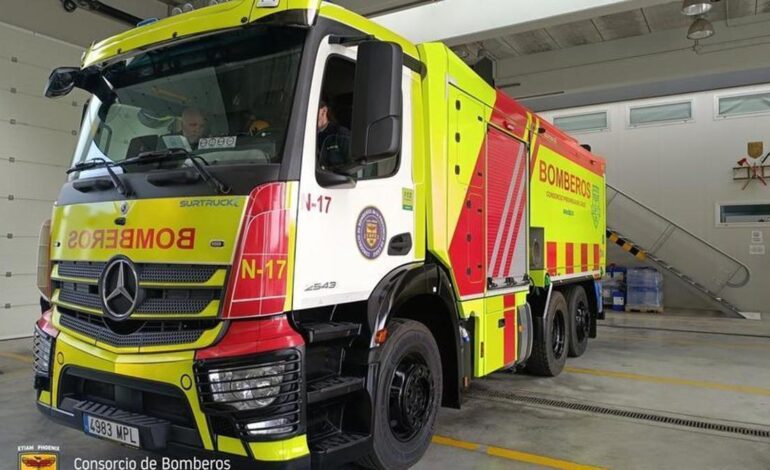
409, 387
580, 321
551, 344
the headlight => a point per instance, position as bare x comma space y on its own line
246, 389
41, 351
273, 426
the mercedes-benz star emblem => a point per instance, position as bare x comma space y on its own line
119, 289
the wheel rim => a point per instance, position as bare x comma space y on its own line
582, 321
558, 334
411, 397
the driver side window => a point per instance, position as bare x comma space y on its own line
335, 110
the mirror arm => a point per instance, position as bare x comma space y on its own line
348, 41
92, 81
415, 65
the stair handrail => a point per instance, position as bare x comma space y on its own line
741, 265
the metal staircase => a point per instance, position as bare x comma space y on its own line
697, 263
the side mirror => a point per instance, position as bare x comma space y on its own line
377, 102
61, 81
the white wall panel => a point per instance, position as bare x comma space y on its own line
38, 113
37, 138
24, 217
27, 143
15, 253
18, 316
46, 178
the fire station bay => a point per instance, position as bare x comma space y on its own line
384, 234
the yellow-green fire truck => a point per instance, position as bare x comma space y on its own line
289, 235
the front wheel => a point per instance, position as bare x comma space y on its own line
409, 390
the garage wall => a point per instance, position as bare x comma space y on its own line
682, 170
80, 27
38, 137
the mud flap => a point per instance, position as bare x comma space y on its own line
526, 334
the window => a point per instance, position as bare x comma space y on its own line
582, 122
334, 123
730, 106
669, 112
226, 98
743, 213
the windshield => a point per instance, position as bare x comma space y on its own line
225, 97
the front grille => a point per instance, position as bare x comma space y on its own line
81, 269
183, 293
287, 410
161, 301
78, 294
173, 305
197, 274
131, 333
148, 272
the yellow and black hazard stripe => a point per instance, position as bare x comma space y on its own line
626, 245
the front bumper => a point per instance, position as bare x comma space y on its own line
162, 382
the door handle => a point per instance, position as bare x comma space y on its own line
400, 244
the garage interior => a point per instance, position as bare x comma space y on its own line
679, 382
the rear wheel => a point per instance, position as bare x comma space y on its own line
580, 321
549, 351
408, 396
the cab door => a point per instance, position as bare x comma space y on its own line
349, 238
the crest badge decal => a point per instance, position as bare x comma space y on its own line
755, 149
596, 208
371, 232
38, 461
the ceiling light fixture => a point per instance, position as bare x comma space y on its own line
701, 28
695, 7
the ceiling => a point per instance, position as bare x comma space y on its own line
364, 7
630, 23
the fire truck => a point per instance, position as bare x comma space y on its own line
289, 235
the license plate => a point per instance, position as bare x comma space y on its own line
111, 430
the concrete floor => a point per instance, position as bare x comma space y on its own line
712, 369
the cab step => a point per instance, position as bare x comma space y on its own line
334, 450
332, 387
326, 331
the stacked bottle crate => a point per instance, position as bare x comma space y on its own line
644, 290
614, 287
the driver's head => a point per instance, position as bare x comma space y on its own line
255, 126
323, 115
193, 124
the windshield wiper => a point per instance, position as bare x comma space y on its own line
178, 153
102, 163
